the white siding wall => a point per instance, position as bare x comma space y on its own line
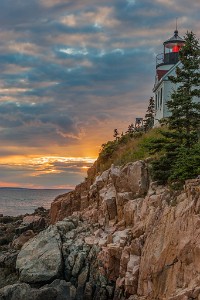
169, 87
161, 110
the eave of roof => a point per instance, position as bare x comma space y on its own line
164, 78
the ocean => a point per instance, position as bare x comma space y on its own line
17, 201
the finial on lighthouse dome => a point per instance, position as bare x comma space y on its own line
175, 40
175, 43
176, 32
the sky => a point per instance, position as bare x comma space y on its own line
71, 72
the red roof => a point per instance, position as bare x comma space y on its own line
161, 73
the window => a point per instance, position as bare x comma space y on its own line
156, 101
161, 96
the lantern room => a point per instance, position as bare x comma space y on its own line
172, 47
170, 55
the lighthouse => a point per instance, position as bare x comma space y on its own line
166, 64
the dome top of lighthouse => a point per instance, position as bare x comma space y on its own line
176, 39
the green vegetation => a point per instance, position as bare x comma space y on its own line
187, 164
180, 148
149, 117
129, 147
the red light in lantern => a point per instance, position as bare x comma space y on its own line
176, 48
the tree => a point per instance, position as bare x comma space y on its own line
149, 117
116, 134
185, 111
187, 163
131, 130
181, 140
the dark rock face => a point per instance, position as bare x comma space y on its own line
63, 247
14, 233
8, 273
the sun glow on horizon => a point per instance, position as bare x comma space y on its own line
41, 160
44, 168
48, 159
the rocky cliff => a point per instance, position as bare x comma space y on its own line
120, 236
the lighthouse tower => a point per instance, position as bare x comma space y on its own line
166, 63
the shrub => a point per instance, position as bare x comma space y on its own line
187, 164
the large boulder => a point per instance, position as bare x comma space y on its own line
133, 178
8, 273
40, 259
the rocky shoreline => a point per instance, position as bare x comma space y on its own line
116, 236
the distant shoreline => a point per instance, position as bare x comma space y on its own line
21, 188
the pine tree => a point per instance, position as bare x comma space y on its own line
116, 134
131, 129
149, 117
185, 111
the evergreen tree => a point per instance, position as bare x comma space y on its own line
131, 130
149, 117
184, 107
116, 134
187, 164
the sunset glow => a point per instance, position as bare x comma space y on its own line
42, 167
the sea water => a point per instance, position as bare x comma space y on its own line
16, 201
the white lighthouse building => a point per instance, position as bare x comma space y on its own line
166, 64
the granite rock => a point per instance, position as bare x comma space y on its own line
40, 259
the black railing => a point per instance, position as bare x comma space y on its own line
170, 58
159, 59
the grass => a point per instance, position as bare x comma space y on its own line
127, 149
